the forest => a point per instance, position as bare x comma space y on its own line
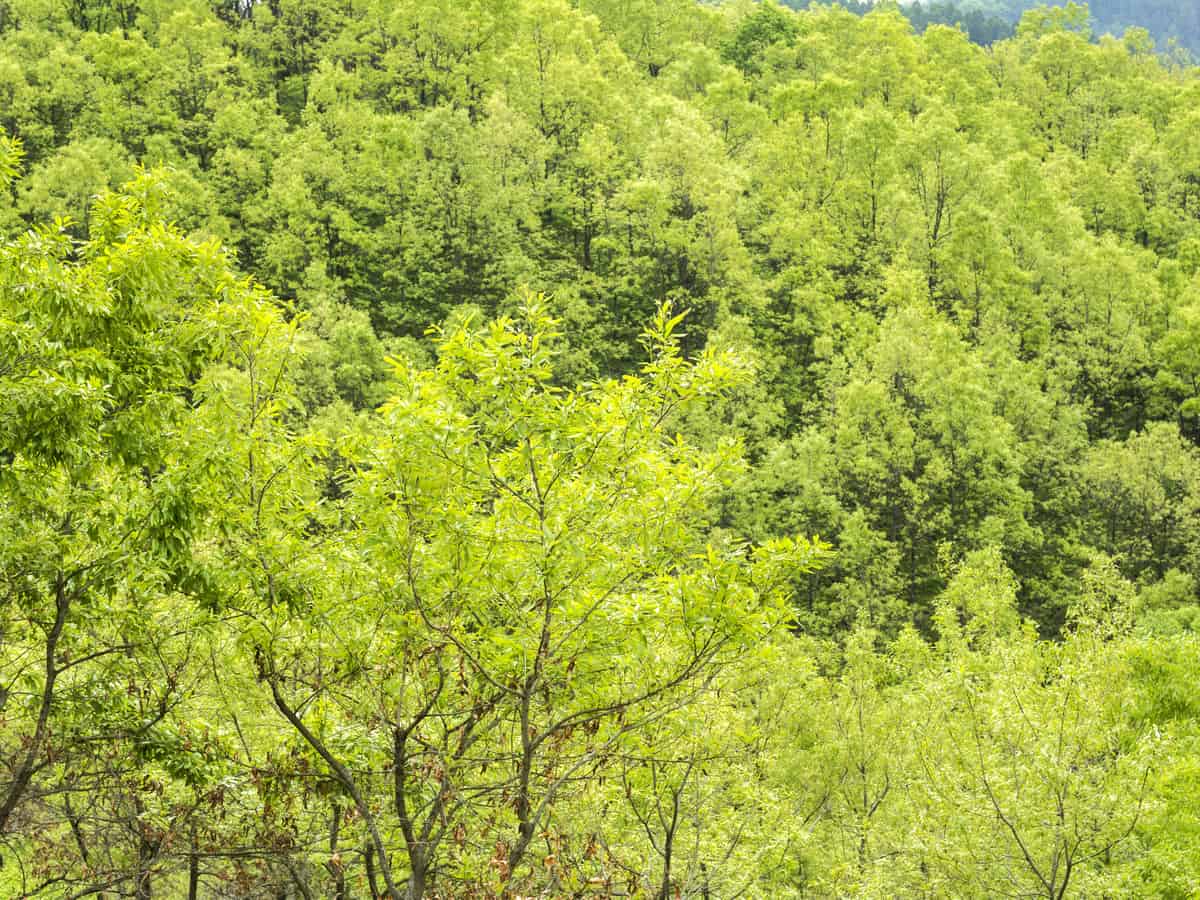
1170, 22
596, 448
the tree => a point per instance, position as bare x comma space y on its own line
530, 562
1036, 749
1139, 494
104, 344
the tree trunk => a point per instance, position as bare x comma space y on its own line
336, 870
24, 771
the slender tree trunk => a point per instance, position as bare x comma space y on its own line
193, 872
147, 853
341, 773
24, 771
143, 890
336, 869
372, 882
664, 892
76, 831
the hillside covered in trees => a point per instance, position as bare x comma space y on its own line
1166, 21
1173, 26
613, 448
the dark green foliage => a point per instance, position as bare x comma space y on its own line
981, 27
766, 27
984, 28
1169, 22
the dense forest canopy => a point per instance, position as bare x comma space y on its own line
983, 26
507, 448
1167, 21
1174, 25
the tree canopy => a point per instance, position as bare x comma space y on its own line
594, 449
